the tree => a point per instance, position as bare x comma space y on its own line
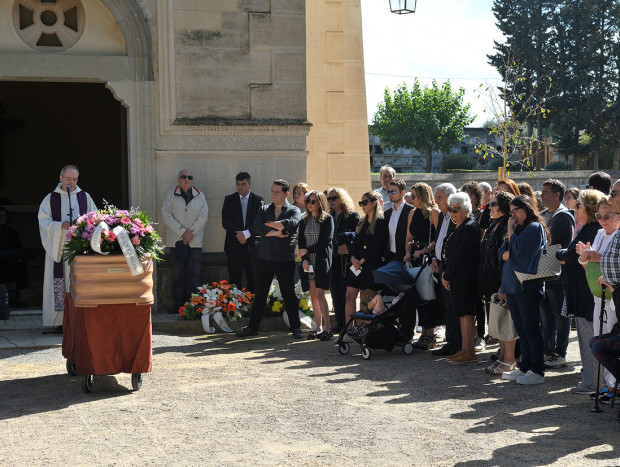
429, 119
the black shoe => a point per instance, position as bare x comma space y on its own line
494, 356
314, 335
246, 331
298, 334
326, 336
444, 351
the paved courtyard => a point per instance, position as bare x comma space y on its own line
217, 400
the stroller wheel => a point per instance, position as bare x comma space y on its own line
365, 352
343, 348
408, 348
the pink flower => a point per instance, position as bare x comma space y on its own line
125, 220
135, 240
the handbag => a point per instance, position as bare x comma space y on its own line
500, 322
424, 280
549, 267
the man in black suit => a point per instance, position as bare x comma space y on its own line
276, 224
238, 214
396, 218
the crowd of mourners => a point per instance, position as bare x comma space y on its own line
480, 241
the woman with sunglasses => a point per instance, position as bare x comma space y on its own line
345, 222
527, 237
570, 200
369, 246
579, 299
299, 201
490, 279
460, 256
421, 226
316, 230
610, 223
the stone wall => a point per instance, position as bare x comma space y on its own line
572, 178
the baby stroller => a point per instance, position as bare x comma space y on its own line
392, 327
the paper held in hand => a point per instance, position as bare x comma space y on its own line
357, 272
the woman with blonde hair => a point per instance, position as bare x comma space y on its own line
345, 222
421, 226
371, 241
316, 231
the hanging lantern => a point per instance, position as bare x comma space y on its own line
401, 7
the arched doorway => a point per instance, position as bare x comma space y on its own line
75, 80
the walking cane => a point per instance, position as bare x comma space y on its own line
602, 319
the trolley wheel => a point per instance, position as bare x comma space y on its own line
136, 381
365, 352
71, 368
87, 383
343, 348
408, 348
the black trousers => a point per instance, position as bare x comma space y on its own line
237, 262
453, 322
338, 288
186, 275
284, 271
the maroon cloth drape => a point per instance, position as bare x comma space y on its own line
108, 339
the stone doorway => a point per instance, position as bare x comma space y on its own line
43, 126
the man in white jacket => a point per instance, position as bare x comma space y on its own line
185, 212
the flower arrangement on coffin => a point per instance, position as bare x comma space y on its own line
136, 223
275, 304
223, 301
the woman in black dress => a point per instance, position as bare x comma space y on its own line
316, 230
461, 256
345, 220
421, 227
367, 251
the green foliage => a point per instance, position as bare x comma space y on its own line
559, 165
458, 161
429, 119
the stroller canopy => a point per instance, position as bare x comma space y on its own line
393, 273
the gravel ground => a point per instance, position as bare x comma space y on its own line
215, 400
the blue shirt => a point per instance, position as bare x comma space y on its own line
525, 248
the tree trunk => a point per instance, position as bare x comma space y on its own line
616, 163
429, 159
539, 154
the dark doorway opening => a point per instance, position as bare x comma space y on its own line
44, 126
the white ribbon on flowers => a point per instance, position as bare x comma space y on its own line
135, 266
95, 240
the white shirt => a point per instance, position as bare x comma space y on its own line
396, 210
442, 235
244, 200
601, 241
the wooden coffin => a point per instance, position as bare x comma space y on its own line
106, 280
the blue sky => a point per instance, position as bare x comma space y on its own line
443, 39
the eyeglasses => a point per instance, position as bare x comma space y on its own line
606, 216
514, 211
312, 201
363, 202
186, 177
613, 193
392, 192
493, 204
332, 198
454, 210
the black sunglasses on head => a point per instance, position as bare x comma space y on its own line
363, 202
188, 177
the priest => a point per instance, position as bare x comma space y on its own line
55, 218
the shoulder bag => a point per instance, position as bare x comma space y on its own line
549, 268
500, 322
423, 276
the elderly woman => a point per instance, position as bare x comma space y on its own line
461, 256
610, 221
421, 225
345, 221
371, 241
527, 236
490, 278
315, 248
579, 299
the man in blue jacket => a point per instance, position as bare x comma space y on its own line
276, 224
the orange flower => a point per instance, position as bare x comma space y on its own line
223, 282
197, 300
214, 284
202, 290
248, 294
243, 289
218, 303
231, 307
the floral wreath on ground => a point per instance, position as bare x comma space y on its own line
218, 296
138, 225
275, 300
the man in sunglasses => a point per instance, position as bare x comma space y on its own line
397, 217
185, 213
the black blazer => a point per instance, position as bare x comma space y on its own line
401, 233
462, 256
277, 248
232, 220
371, 247
438, 229
348, 224
322, 248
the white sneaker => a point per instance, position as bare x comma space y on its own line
440, 332
531, 378
479, 344
556, 362
512, 375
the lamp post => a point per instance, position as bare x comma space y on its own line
401, 7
